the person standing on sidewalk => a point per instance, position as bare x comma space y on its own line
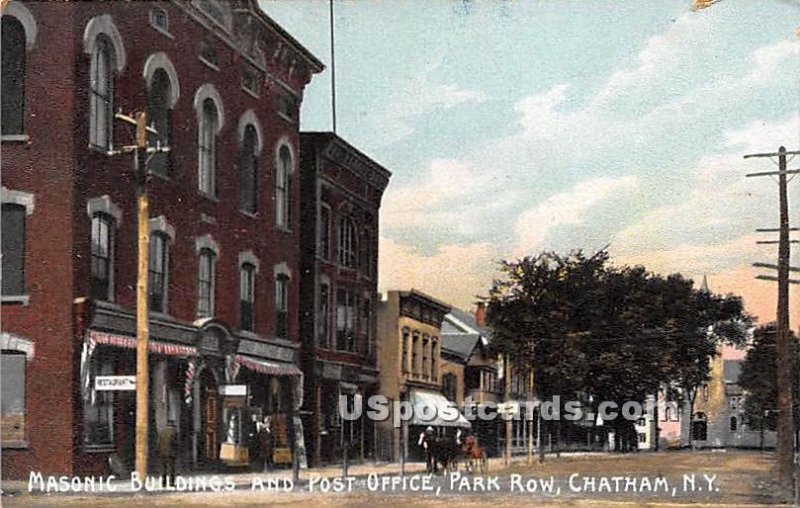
167, 451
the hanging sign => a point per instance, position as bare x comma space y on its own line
114, 383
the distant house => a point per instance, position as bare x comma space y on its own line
466, 337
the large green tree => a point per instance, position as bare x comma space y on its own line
604, 333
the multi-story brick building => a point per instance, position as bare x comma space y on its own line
342, 190
222, 83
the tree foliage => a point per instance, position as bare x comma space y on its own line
759, 381
605, 332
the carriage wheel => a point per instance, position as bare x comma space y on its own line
484, 463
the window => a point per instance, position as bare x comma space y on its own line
102, 95
705, 393
247, 296
734, 423
365, 325
13, 249
248, 170
406, 360
449, 386
208, 54
345, 320
415, 354
159, 262
205, 283
250, 82
323, 316
102, 256
158, 115
13, 76
426, 355
642, 437
282, 306
347, 242
435, 354
324, 232
159, 19
12, 398
282, 188
365, 254
98, 414
207, 149
287, 107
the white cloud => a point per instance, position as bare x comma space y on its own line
768, 62
566, 208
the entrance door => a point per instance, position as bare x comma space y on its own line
210, 425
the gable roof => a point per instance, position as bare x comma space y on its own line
461, 335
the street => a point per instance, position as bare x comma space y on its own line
735, 478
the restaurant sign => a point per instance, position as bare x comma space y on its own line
114, 383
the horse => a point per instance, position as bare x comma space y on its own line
474, 453
441, 450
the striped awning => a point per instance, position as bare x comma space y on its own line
267, 367
154, 346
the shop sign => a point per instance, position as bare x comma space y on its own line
233, 390
114, 383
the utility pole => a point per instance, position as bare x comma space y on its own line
785, 445
140, 152
333, 67
507, 422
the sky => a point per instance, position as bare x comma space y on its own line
516, 126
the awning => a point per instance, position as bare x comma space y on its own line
433, 408
275, 369
267, 367
153, 346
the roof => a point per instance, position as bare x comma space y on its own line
459, 345
731, 369
461, 334
349, 156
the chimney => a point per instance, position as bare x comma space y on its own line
480, 314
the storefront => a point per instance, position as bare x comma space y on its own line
229, 408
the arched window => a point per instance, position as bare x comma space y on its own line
347, 242
13, 76
406, 361
102, 94
158, 115
734, 423
102, 256
247, 296
449, 386
159, 265
248, 170
282, 188
205, 282
207, 150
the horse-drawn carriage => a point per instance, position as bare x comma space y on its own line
449, 451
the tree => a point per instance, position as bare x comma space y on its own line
597, 332
759, 381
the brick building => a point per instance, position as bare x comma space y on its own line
222, 84
342, 190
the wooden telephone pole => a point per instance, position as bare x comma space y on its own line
140, 152
785, 445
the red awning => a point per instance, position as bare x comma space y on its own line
154, 346
268, 368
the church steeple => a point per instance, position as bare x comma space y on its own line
704, 285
